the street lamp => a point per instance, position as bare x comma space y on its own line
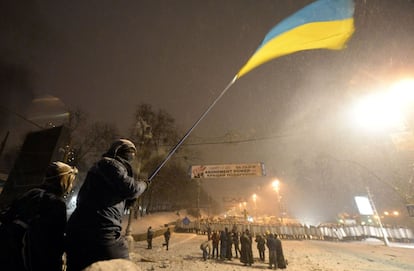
276, 188
254, 197
276, 185
144, 133
386, 110
244, 210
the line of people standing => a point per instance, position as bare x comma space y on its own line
224, 242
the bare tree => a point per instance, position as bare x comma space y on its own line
88, 140
171, 188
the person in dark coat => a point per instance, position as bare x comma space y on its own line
276, 257
236, 242
246, 252
229, 245
32, 228
280, 258
208, 232
94, 228
150, 235
215, 237
223, 243
272, 246
261, 244
167, 235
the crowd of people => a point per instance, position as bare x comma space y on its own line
220, 245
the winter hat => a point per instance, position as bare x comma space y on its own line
123, 148
60, 177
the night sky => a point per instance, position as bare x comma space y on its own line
106, 57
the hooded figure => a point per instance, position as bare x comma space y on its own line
246, 252
32, 228
94, 229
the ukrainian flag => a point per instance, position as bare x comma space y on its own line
324, 24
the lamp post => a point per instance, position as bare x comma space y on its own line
383, 231
144, 133
276, 188
244, 210
254, 197
198, 205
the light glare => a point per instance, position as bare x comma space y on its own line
378, 113
386, 110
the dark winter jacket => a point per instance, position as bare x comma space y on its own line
274, 244
246, 252
261, 243
32, 232
271, 243
150, 234
101, 200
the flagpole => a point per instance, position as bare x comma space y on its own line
174, 149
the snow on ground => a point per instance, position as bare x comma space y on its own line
156, 221
307, 255
184, 254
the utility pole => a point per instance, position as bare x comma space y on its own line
198, 205
144, 132
384, 233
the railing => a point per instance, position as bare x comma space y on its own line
301, 232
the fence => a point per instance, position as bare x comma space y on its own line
302, 232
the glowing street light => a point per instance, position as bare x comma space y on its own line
276, 185
254, 197
385, 110
393, 213
276, 188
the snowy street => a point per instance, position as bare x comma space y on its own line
185, 254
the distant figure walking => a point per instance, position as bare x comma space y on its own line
150, 235
167, 235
